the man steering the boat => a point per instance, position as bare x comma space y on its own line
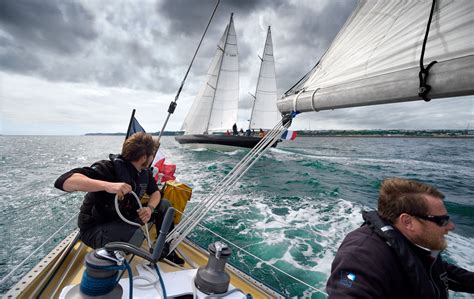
98, 220
396, 252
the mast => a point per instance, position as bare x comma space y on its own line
130, 124
258, 79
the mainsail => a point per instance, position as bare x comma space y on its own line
264, 113
375, 57
215, 107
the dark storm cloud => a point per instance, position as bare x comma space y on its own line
35, 32
47, 24
186, 14
61, 41
67, 41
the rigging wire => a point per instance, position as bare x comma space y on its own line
54, 197
217, 194
173, 103
254, 256
263, 261
36, 250
198, 213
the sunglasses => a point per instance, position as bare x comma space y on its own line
442, 220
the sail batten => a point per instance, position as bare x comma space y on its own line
375, 57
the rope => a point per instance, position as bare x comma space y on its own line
425, 88
95, 286
36, 250
144, 228
161, 280
196, 215
173, 104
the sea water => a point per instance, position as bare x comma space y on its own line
289, 212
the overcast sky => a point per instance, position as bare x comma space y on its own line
78, 66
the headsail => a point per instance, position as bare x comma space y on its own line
375, 57
264, 113
215, 107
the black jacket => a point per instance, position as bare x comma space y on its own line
99, 207
366, 266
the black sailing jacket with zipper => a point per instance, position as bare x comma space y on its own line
99, 207
366, 266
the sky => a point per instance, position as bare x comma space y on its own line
70, 67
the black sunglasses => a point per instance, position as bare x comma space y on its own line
442, 220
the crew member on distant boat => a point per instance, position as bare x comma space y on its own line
261, 133
396, 253
234, 129
248, 132
98, 220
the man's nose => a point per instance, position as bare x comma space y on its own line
450, 226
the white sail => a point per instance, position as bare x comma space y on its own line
375, 57
264, 113
215, 107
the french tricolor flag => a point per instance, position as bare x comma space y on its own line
289, 135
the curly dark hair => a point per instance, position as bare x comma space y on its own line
139, 144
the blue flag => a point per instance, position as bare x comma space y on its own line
135, 127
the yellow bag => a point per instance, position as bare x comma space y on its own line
178, 195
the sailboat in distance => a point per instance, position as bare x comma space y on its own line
214, 110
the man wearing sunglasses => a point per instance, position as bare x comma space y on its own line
395, 253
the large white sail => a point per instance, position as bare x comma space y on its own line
375, 57
215, 107
265, 114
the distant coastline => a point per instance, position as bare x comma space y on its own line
165, 133
350, 133
389, 133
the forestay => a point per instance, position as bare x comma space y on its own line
375, 57
215, 107
264, 111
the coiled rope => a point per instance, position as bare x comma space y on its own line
197, 214
93, 286
144, 227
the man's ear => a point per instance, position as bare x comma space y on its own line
406, 221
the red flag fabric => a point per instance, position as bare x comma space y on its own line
165, 171
161, 171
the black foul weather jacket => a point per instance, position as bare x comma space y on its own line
377, 261
99, 207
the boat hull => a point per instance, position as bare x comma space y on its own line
63, 268
220, 140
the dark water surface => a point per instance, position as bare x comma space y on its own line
291, 210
